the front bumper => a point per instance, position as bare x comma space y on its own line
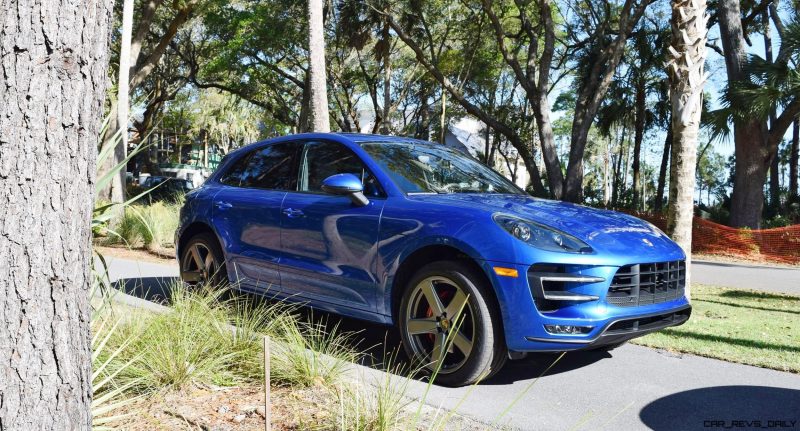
621, 330
607, 323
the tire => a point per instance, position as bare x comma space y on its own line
212, 270
480, 332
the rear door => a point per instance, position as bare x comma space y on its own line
329, 244
247, 213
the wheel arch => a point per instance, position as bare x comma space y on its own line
195, 228
421, 256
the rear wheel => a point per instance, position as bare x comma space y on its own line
450, 325
202, 261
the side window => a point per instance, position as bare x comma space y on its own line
271, 167
234, 175
323, 159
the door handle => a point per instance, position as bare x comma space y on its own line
292, 213
223, 205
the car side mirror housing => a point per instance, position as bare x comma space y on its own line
346, 185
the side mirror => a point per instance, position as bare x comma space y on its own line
346, 185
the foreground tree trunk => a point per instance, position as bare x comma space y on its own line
319, 118
686, 78
54, 58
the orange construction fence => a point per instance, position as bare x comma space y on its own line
780, 245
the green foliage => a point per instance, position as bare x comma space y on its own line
744, 326
206, 339
147, 226
309, 354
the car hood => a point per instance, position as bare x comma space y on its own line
604, 230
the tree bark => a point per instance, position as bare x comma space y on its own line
319, 118
774, 177
794, 157
54, 55
752, 157
638, 138
123, 105
686, 80
662, 172
387, 79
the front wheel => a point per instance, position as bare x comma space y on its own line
450, 325
202, 261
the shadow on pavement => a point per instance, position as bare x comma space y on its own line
725, 407
153, 289
380, 344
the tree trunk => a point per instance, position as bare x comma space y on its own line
555, 176
487, 146
123, 104
387, 79
794, 156
638, 137
591, 95
116, 193
662, 172
617, 171
774, 179
319, 119
54, 56
686, 80
747, 200
443, 118
115, 190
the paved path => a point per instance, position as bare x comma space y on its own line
767, 278
632, 387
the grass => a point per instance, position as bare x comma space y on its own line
146, 226
742, 326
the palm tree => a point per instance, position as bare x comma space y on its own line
319, 120
768, 88
686, 77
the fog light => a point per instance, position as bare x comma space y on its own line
567, 329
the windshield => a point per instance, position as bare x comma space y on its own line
419, 168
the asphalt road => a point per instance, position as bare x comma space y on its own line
631, 387
767, 278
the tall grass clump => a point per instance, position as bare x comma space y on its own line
379, 405
206, 339
191, 344
308, 353
147, 226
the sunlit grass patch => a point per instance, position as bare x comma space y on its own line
743, 326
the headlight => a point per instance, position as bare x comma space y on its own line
541, 236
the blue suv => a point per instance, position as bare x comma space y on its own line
470, 268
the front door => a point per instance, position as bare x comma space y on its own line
329, 244
247, 211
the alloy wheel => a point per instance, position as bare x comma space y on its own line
198, 264
440, 324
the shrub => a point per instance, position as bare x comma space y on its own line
148, 226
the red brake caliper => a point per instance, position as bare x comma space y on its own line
444, 296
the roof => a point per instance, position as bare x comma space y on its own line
366, 137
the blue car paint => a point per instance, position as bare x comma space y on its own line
354, 275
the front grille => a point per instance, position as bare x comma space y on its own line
648, 323
647, 283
